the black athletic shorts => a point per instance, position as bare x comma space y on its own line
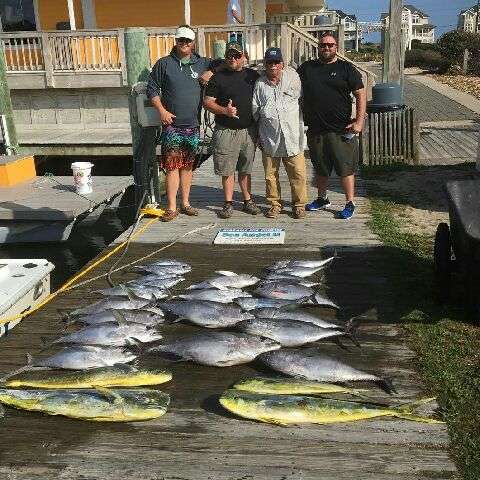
330, 150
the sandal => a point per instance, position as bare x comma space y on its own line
169, 215
189, 210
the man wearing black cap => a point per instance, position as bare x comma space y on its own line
276, 107
229, 96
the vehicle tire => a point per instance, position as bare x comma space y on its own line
442, 256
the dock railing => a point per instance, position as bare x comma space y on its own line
88, 53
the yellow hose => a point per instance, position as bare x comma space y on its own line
83, 272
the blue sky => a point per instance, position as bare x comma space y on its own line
443, 12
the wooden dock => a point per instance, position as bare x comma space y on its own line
45, 209
196, 439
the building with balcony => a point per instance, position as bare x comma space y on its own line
415, 26
468, 20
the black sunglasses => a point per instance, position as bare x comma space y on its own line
236, 55
327, 45
184, 40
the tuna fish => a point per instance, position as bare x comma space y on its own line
293, 409
135, 316
298, 271
226, 280
294, 315
301, 264
207, 314
291, 386
148, 292
164, 269
214, 295
287, 279
169, 263
80, 357
218, 349
289, 333
318, 367
293, 291
117, 303
155, 281
100, 405
255, 303
116, 376
112, 334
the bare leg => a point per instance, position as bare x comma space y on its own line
228, 186
322, 184
245, 182
348, 185
185, 185
172, 180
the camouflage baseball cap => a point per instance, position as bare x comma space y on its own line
235, 46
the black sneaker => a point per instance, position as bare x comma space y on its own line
226, 211
318, 204
249, 206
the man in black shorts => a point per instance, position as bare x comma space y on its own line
328, 84
229, 96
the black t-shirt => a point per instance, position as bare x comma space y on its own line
237, 86
327, 88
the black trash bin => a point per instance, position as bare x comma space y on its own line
386, 97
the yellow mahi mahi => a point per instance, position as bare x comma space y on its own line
100, 405
291, 386
292, 409
116, 376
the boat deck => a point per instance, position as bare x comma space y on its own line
197, 439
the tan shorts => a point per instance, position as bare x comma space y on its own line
233, 150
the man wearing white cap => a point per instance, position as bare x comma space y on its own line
175, 91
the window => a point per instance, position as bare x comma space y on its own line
17, 15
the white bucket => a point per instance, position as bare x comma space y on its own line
82, 177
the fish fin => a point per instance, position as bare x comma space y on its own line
273, 421
128, 292
111, 395
226, 273
119, 317
219, 287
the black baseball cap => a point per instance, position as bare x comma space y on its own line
273, 53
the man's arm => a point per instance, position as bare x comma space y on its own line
256, 103
210, 103
361, 104
166, 117
236, 16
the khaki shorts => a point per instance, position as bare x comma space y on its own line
233, 150
329, 150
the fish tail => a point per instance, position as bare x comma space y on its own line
386, 385
416, 418
351, 330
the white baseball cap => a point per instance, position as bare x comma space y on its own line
185, 32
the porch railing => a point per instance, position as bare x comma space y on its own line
98, 51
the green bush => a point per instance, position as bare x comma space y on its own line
427, 59
452, 45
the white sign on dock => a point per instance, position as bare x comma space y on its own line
250, 236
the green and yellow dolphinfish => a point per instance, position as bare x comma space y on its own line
100, 405
293, 409
291, 386
116, 376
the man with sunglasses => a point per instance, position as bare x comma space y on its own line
328, 84
276, 107
175, 91
229, 96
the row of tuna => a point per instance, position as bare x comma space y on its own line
132, 313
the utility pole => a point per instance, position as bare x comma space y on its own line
394, 49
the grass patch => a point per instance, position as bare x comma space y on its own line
447, 345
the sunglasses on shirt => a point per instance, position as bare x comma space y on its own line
328, 45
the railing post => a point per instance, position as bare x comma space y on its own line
201, 45
143, 139
121, 55
47, 60
6, 108
284, 44
341, 39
